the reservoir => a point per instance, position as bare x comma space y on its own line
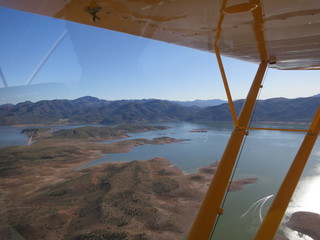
266, 155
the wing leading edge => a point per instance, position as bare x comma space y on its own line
290, 27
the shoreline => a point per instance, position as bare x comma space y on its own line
148, 195
31, 176
43, 177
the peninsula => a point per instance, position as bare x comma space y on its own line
44, 197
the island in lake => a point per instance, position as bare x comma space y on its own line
45, 197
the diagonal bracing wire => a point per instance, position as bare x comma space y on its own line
4, 81
45, 57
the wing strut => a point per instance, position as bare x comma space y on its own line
226, 87
211, 205
279, 205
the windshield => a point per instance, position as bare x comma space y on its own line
106, 135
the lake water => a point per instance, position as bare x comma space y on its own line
266, 155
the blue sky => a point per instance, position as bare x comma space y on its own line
112, 65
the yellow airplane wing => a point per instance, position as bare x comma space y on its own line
285, 32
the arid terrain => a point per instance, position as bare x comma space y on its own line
43, 196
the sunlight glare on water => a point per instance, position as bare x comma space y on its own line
305, 198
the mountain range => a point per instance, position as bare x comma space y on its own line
93, 110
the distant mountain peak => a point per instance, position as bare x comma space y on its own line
87, 98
